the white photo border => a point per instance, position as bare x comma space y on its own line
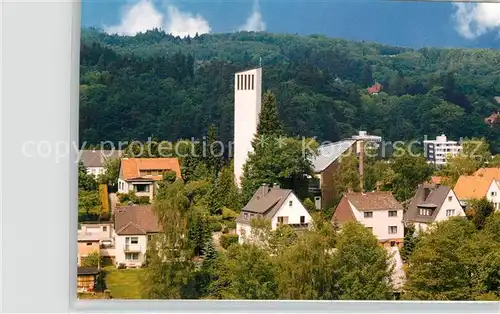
39, 103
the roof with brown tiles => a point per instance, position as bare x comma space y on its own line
131, 168
429, 196
469, 187
368, 201
437, 179
136, 219
343, 212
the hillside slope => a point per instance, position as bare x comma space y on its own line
155, 84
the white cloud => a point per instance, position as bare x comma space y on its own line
476, 19
144, 16
185, 23
137, 18
254, 22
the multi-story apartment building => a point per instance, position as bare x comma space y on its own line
437, 151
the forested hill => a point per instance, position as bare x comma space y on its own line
155, 84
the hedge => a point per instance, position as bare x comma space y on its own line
215, 226
227, 239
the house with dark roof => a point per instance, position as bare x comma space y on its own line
432, 203
325, 164
323, 185
94, 160
379, 211
142, 174
134, 227
280, 206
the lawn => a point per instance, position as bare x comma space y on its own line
124, 283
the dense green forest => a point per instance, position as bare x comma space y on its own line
166, 87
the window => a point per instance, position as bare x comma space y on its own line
142, 188
393, 243
245, 215
89, 243
393, 213
253, 79
450, 198
131, 256
290, 203
150, 237
133, 240
393, 229
450, 212
104, 228
245, 82
368, 214
302, 219
238, 82
283, 220
424, 212
493, 193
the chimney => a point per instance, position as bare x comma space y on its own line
378, 186
264, 189
427, 191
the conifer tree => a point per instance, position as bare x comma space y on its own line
269, 123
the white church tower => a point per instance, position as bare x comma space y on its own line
247, 101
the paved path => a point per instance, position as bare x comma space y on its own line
113, 200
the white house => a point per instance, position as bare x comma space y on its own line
142, 174
378, 211
247, 104
436, 151
281, 206
94, 160
134, 227
477, 187
432, 203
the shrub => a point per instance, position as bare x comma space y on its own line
142, 200
93, 259
169, 176
225, 230
227, 239
228, 214
231, 225
121, 266
125, 198
215, 226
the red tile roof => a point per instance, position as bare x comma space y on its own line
376, 88
131, 167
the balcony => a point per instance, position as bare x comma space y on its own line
132, 248
107, 250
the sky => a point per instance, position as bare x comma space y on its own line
411, 24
